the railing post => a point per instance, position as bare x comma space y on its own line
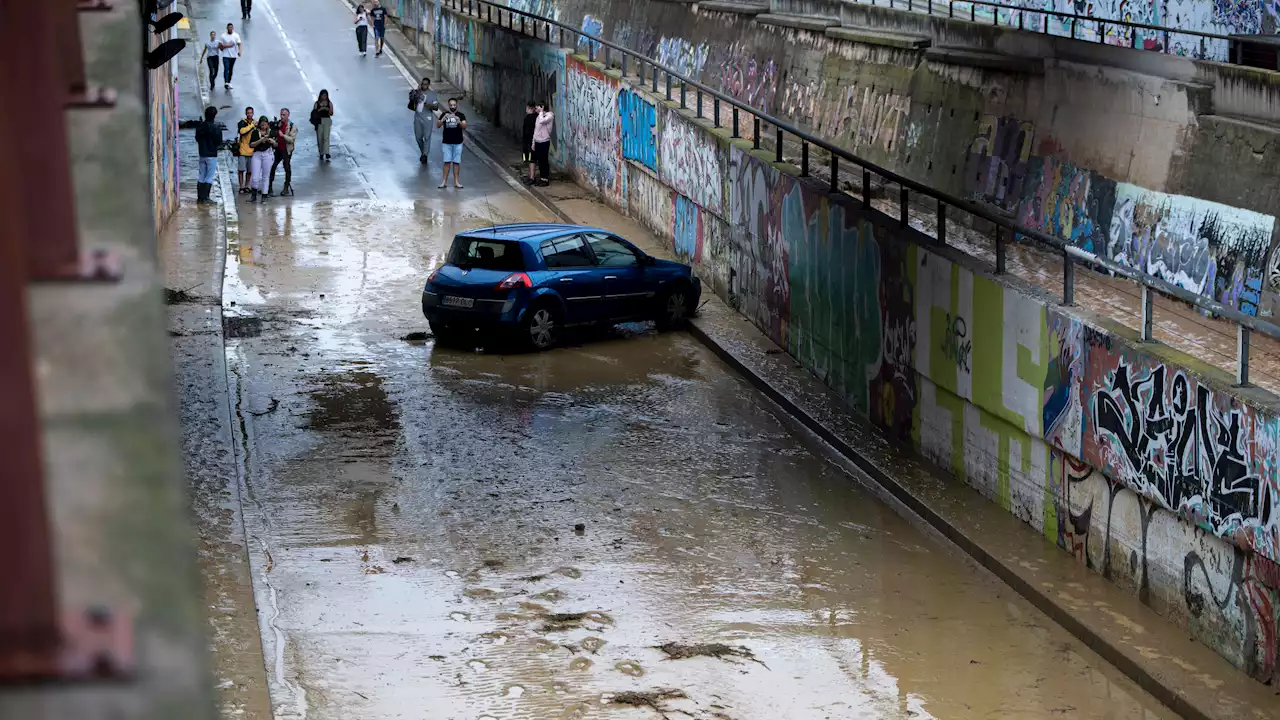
548, 27
735, 122
655, 81
1000, 268
1147, 313
716, 109
624, 66
1242, 356
866, 189
1166, 42
1068, 280
835, 173
699, 103
591, 49
942, 223
777, 148
902, 206
608, 57
683, 104
755, 141
804, 159
668, 86
522, 27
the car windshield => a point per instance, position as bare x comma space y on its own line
484, 254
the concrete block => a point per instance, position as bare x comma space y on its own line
798, 22
878, 37
986, 60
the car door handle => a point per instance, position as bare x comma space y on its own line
566, 279
610, 277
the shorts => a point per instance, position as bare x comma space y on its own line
452, 153
379, 31
242, 162
526, 156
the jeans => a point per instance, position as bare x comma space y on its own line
228, 67
362, 37
208, 170
422, 130
260, 164
542, 156
246, 7
212, 60
322, 134
285, 158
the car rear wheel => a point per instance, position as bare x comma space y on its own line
541, 326
673, 308
445, 334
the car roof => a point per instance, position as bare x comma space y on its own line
527, 232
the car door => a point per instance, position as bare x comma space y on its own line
574, 275
622, 273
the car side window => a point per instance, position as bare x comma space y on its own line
611, 253
566, 252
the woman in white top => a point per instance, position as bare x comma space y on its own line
211, 53
362, 29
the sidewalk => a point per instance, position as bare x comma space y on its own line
1187, 676
192, 250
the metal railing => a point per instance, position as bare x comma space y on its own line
1129, 35
541, 28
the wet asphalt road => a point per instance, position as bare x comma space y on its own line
445, 534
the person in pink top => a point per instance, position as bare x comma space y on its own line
542, 141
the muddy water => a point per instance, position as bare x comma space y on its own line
464, 535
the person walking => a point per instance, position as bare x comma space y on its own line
362, 29
526, 147
231, 48
244, 149
263, 143
424, 103
453, 123
246, 8
286, 136
379, 16
322, 119
212, 54
542, 142
208, 140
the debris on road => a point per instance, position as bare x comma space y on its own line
719, 651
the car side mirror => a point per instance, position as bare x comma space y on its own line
647, 260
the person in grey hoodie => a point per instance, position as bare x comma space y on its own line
424, 102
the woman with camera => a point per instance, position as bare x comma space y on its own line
263, 142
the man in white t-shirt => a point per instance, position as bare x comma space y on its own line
231, 46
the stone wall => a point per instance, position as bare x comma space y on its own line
1158, 161
1142, 463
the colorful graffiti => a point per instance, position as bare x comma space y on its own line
762, 290
691, 161
592, 126
591, 25
688, 229
639, 131
1067, 201
1211, 249
751, 81
650, 201
681, 55
997, 162
162, 119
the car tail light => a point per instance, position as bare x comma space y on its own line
515, 280
432, 277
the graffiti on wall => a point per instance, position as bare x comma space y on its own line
541, 8
162, 118
591, 25
1211, 249
681, 55
749, 80
763, 288
592, 128
639, 128
650, 201
997, 160
691, 161
455, 31
688, 229
1067, 201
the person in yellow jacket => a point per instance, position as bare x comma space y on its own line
244, 129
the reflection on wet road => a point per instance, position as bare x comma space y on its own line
620, 528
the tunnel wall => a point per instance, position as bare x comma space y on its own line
1158, 161
1142, 463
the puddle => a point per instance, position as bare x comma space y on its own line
241, 327
351, 400
580, 664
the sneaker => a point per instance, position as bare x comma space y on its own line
543, 183
528, 181
422, 159
327, 156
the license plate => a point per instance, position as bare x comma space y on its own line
460, 302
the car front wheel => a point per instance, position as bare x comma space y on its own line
541, 326
673, 308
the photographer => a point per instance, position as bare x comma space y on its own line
263, 143
453, 123
286, 134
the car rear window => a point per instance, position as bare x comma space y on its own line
484, 254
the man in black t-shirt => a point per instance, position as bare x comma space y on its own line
379, 17
526, 149
453, 123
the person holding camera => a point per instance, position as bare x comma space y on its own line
286, 134
453, 123
322, 120
424, 102
263, 143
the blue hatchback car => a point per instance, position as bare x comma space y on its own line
531, 280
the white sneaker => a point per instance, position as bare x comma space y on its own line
227, 86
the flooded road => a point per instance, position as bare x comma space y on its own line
619, 528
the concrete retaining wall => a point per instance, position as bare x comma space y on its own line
1122, 151
1140, 462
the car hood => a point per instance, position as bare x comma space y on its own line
670, 265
